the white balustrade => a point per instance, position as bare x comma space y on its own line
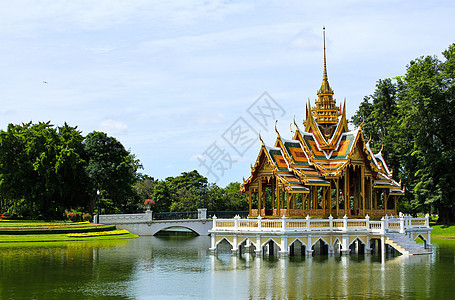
386, 224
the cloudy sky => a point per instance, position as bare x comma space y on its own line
175, 81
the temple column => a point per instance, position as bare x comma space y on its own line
324, 199
249, 200
371, 195
396, 200
260, 196
278, 194
346, 192
386, 198
329, 197
304, 199
315, 197
273, 196
288, 200
337, 182
363, 190
375, 199
293, 201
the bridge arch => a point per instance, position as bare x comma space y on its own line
176, 226
196, 227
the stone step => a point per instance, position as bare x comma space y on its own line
405, 245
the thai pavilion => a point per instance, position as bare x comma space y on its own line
322, 189
325, 169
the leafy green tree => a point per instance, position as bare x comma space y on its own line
162, 196
237, 201
112, 169
413, 118
41, 168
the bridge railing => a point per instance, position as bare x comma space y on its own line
124, 218
386, 224
176, 215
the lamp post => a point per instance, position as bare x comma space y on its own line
202, 212
99, 209
201, 191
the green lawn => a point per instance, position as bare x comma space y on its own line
40, 231
443, 231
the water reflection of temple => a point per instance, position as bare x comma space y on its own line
323, 185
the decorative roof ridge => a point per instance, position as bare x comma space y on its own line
381, 158
373, 158
272, 148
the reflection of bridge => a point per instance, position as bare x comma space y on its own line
144, 224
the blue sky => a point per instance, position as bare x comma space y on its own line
170, 78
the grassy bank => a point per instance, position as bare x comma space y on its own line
443, 231
38, 231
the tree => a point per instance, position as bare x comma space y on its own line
41, 168
111, 169
413, 118
162, 196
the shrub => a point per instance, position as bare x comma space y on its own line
72, 216
86, 217
149, 202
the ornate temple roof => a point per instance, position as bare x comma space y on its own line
323, 149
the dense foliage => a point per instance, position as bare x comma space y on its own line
190, 191
413, 117
47, 170
54, 172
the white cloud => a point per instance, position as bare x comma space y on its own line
113, 127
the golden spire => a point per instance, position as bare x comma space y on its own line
324, 77
326, 112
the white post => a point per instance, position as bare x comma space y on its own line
202, 213
331, 222
213, 248
236, 221
402, 224
234, 249
308, 250
345, 223
345, 244
386, 223
283, 223
259, 222
367, 246
427, 221
308, 226
367, 222
214, 222
148, 215
258, 249
284, 246
383, 225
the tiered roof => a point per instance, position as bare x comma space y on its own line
322, 150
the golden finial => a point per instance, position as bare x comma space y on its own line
325, 64
260, 138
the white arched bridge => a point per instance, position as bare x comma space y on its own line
143, 224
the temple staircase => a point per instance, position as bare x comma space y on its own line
404, 244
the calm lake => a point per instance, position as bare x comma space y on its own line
181, 267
